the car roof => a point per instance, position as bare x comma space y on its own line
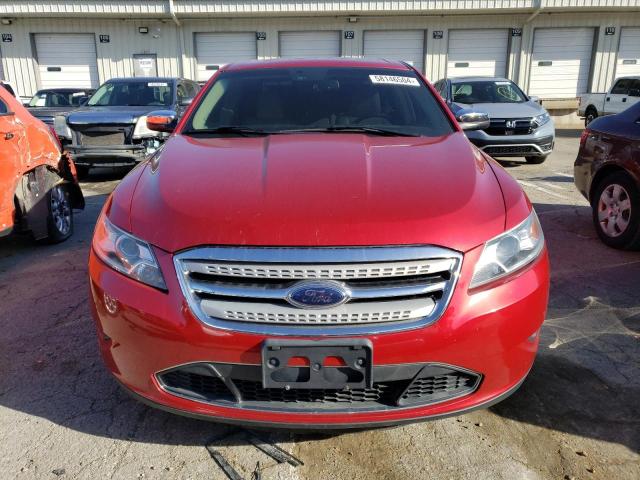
65, 90
144, 79
479, 78
317, 62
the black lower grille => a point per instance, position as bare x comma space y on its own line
511, 150
421, 386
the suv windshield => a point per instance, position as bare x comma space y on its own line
286, 100
58, 99
490, 91
136, 93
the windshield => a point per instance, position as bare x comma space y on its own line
496, 91
282, 100
58, 99
136, 93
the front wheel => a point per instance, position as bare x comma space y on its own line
536, 160
616, 211
59, 215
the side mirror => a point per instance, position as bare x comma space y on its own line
186, 102
534, 98
470, 120
162, 121
634, 92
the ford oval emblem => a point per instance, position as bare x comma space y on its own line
318, 295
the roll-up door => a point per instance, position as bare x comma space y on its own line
310, 44
478, 52
561, 62
213, 50
66, 60
405, 45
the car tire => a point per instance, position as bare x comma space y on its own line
59, 214
615, 206
82, 171
590, 115
536, 160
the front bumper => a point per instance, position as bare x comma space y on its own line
112, 155
539, 143
491, 332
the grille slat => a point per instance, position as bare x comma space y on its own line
241, 288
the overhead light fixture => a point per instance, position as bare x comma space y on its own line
353, 19
6, 21
144, 30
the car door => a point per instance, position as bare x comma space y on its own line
617, 99
12, 161
634, 92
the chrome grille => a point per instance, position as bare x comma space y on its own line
247, 289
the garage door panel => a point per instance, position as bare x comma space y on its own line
628, 62
309, 44
66, 60
213, 50
477, 52
561, 62
403, 45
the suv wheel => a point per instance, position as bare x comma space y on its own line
590, 115
536, 160
60, 214
616, 211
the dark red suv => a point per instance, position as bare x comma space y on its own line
318, 244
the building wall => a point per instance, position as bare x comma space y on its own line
175, 48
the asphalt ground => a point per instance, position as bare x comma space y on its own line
576, 416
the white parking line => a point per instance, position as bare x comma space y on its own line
549, 184
541, 189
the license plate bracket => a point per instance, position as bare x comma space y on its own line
353, 370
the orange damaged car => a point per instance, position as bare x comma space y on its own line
38, 182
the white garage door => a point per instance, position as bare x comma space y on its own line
405, 45
629, 52
561, 62
213, 50
478, 52
309, 44
66, 60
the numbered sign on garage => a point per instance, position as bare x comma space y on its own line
66, 60
404, 45
629, 53
309, 44
213, 50
478, 52
560, 62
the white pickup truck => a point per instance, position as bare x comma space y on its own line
624, 93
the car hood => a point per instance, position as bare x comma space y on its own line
39, 112
315, 190
108, 115
505, 110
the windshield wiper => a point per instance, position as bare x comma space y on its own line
227, 130
354, 129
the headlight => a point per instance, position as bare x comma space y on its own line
126, 254
61, 128
141, 130
541, 119
509, 252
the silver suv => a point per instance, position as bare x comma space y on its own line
520, 126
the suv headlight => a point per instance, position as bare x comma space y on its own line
541, 119
509, 251
61, 128
141, 130
126, 254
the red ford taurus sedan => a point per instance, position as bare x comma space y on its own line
318, 245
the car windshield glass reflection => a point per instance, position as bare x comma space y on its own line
315, 99
487, 92
132, 94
